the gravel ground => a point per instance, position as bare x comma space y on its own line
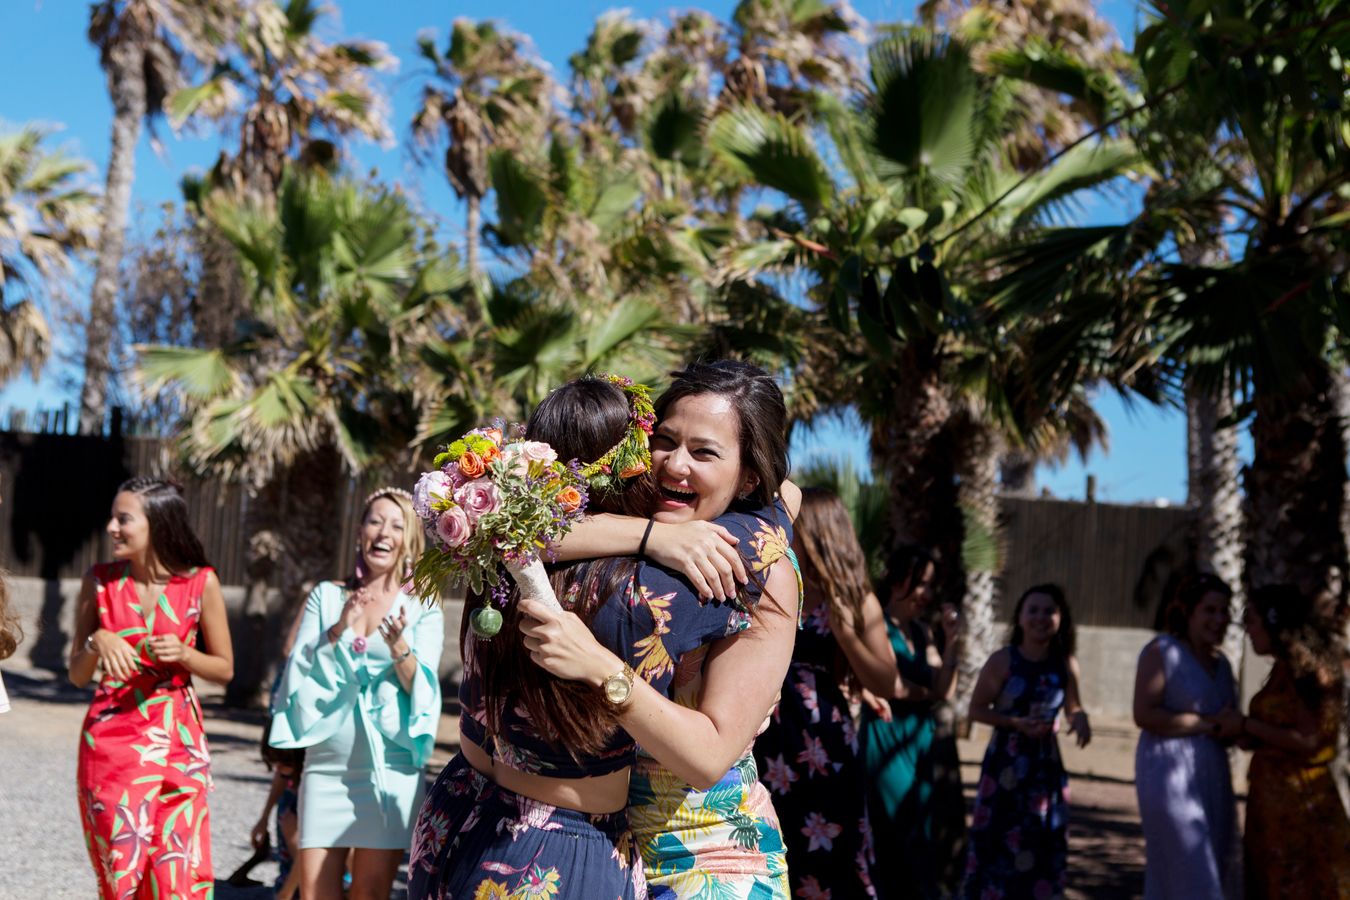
42, 851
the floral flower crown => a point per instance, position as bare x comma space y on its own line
387, 491
630, 456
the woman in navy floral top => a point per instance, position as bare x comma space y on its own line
704, 823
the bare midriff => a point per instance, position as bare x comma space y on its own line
597, 795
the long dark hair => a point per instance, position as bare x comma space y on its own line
761, 415
1189, 592
905, 565
1066, 639
174, 542
581, 420
1305, 639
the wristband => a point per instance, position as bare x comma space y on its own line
89, 644
642, 546
402, 656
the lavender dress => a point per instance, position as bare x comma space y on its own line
1186, 790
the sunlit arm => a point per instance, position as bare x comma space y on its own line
742, 680
1150, 682
871, 656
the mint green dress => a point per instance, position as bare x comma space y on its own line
366, 739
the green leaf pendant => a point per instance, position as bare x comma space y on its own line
486, 621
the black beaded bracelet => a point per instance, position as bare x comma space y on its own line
642, 546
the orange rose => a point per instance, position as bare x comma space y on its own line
570, 498
493, 434
636, 468
471, 464
490, 454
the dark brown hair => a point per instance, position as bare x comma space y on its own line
1189, 592
1306, 640
279, 756
904, 566
831, 559
171, 536
1066, 639
761, 415
581, 420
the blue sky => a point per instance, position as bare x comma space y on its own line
51, 74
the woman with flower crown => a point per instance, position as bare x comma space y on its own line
703, 822
361, 694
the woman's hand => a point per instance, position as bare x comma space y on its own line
1032, 728
704, 552
168, 648
879, 705
260, 837
953, 625
1229, 721
561, 644
391, 629
1080, 727
115, 655
357, 601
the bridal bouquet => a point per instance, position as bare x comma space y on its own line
494, 502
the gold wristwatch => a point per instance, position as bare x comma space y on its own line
619, 686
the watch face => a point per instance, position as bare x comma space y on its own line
617, 689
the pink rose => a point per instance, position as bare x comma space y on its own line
453, 527
431, 487
478, 498
538, 451
515, 460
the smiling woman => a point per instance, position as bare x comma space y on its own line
366, 710
149, 620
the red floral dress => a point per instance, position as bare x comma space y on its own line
144, 769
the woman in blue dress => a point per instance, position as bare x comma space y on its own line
535, 803
1019, 828
809, 756
1181, 771
361, 694
901, 754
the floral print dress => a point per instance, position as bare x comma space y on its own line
1019, 829
725, 842
144, 769
476, 839
808, 758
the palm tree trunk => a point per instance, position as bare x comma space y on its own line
1296, 485
473, 225
978, 498
1212, 492
913, 445
126, 86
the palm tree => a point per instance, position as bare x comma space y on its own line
145, 47
897, 258
1239, 138
288, 92
324, 380
46, 218
484, 93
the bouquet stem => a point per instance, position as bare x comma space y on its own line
532, 579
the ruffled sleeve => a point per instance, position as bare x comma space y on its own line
320, 688
409, 718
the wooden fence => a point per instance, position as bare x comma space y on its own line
1112, 561
57, 489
